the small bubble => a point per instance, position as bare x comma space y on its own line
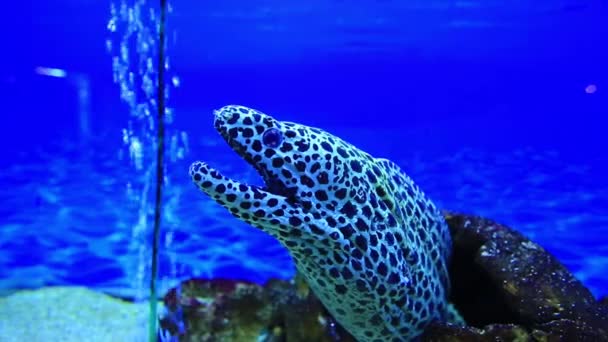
169, 115
129, 189
131, 16
125, 136
168, 239
144, 109
591, 89
112, 9
184, 137
150, 65
173, 149
148, 85
175, 81
136, 153
123, 10
112, 25
144, 47
124, 52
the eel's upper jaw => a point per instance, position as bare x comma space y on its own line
272, 183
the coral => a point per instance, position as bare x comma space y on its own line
229, 310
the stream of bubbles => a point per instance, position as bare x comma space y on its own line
134, 46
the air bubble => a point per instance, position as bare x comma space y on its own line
112, 25
133, 46
136, 153
169, 115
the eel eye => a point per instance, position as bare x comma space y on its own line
272, 137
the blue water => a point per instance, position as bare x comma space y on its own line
495, 110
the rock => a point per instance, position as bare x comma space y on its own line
503, 283
492, 332
506, 287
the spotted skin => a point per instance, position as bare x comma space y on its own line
371, 245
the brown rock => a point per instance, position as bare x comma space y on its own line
501, 277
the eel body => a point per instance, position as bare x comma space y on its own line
371, 245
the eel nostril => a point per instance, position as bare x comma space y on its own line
223, 114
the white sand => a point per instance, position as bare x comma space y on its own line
70, 314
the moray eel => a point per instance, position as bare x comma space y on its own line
372, 247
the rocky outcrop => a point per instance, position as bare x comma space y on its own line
505, 286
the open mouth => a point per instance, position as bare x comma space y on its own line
272, 183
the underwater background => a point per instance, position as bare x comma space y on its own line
494, 108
